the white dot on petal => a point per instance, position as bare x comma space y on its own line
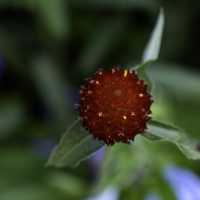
124, 117
100, 114
141, 95
132, 114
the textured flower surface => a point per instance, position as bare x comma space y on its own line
114, 105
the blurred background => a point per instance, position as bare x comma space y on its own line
47, 49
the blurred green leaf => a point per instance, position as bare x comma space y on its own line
28, 192
53, 14
176, 80
53, 88
123, 165
188, 146
12, 117
67, 183
176, 96
75, 146
102, 40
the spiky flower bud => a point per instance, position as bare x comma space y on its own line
114, 105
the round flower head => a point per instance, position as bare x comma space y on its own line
114, 105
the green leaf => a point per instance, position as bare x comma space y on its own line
180, 82
188, 146
152, 49
75, 146
143, 75
122, 164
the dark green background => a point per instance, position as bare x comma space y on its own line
47, 49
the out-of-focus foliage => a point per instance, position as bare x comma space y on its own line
47, 48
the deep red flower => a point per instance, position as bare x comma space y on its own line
114, 105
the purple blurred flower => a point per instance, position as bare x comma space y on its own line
185, 183
97, 158
95, 162
108, 194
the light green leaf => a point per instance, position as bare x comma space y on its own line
75, 146
119, 167
187, 145
141, 70
152, 49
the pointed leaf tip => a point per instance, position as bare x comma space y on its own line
152, 49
